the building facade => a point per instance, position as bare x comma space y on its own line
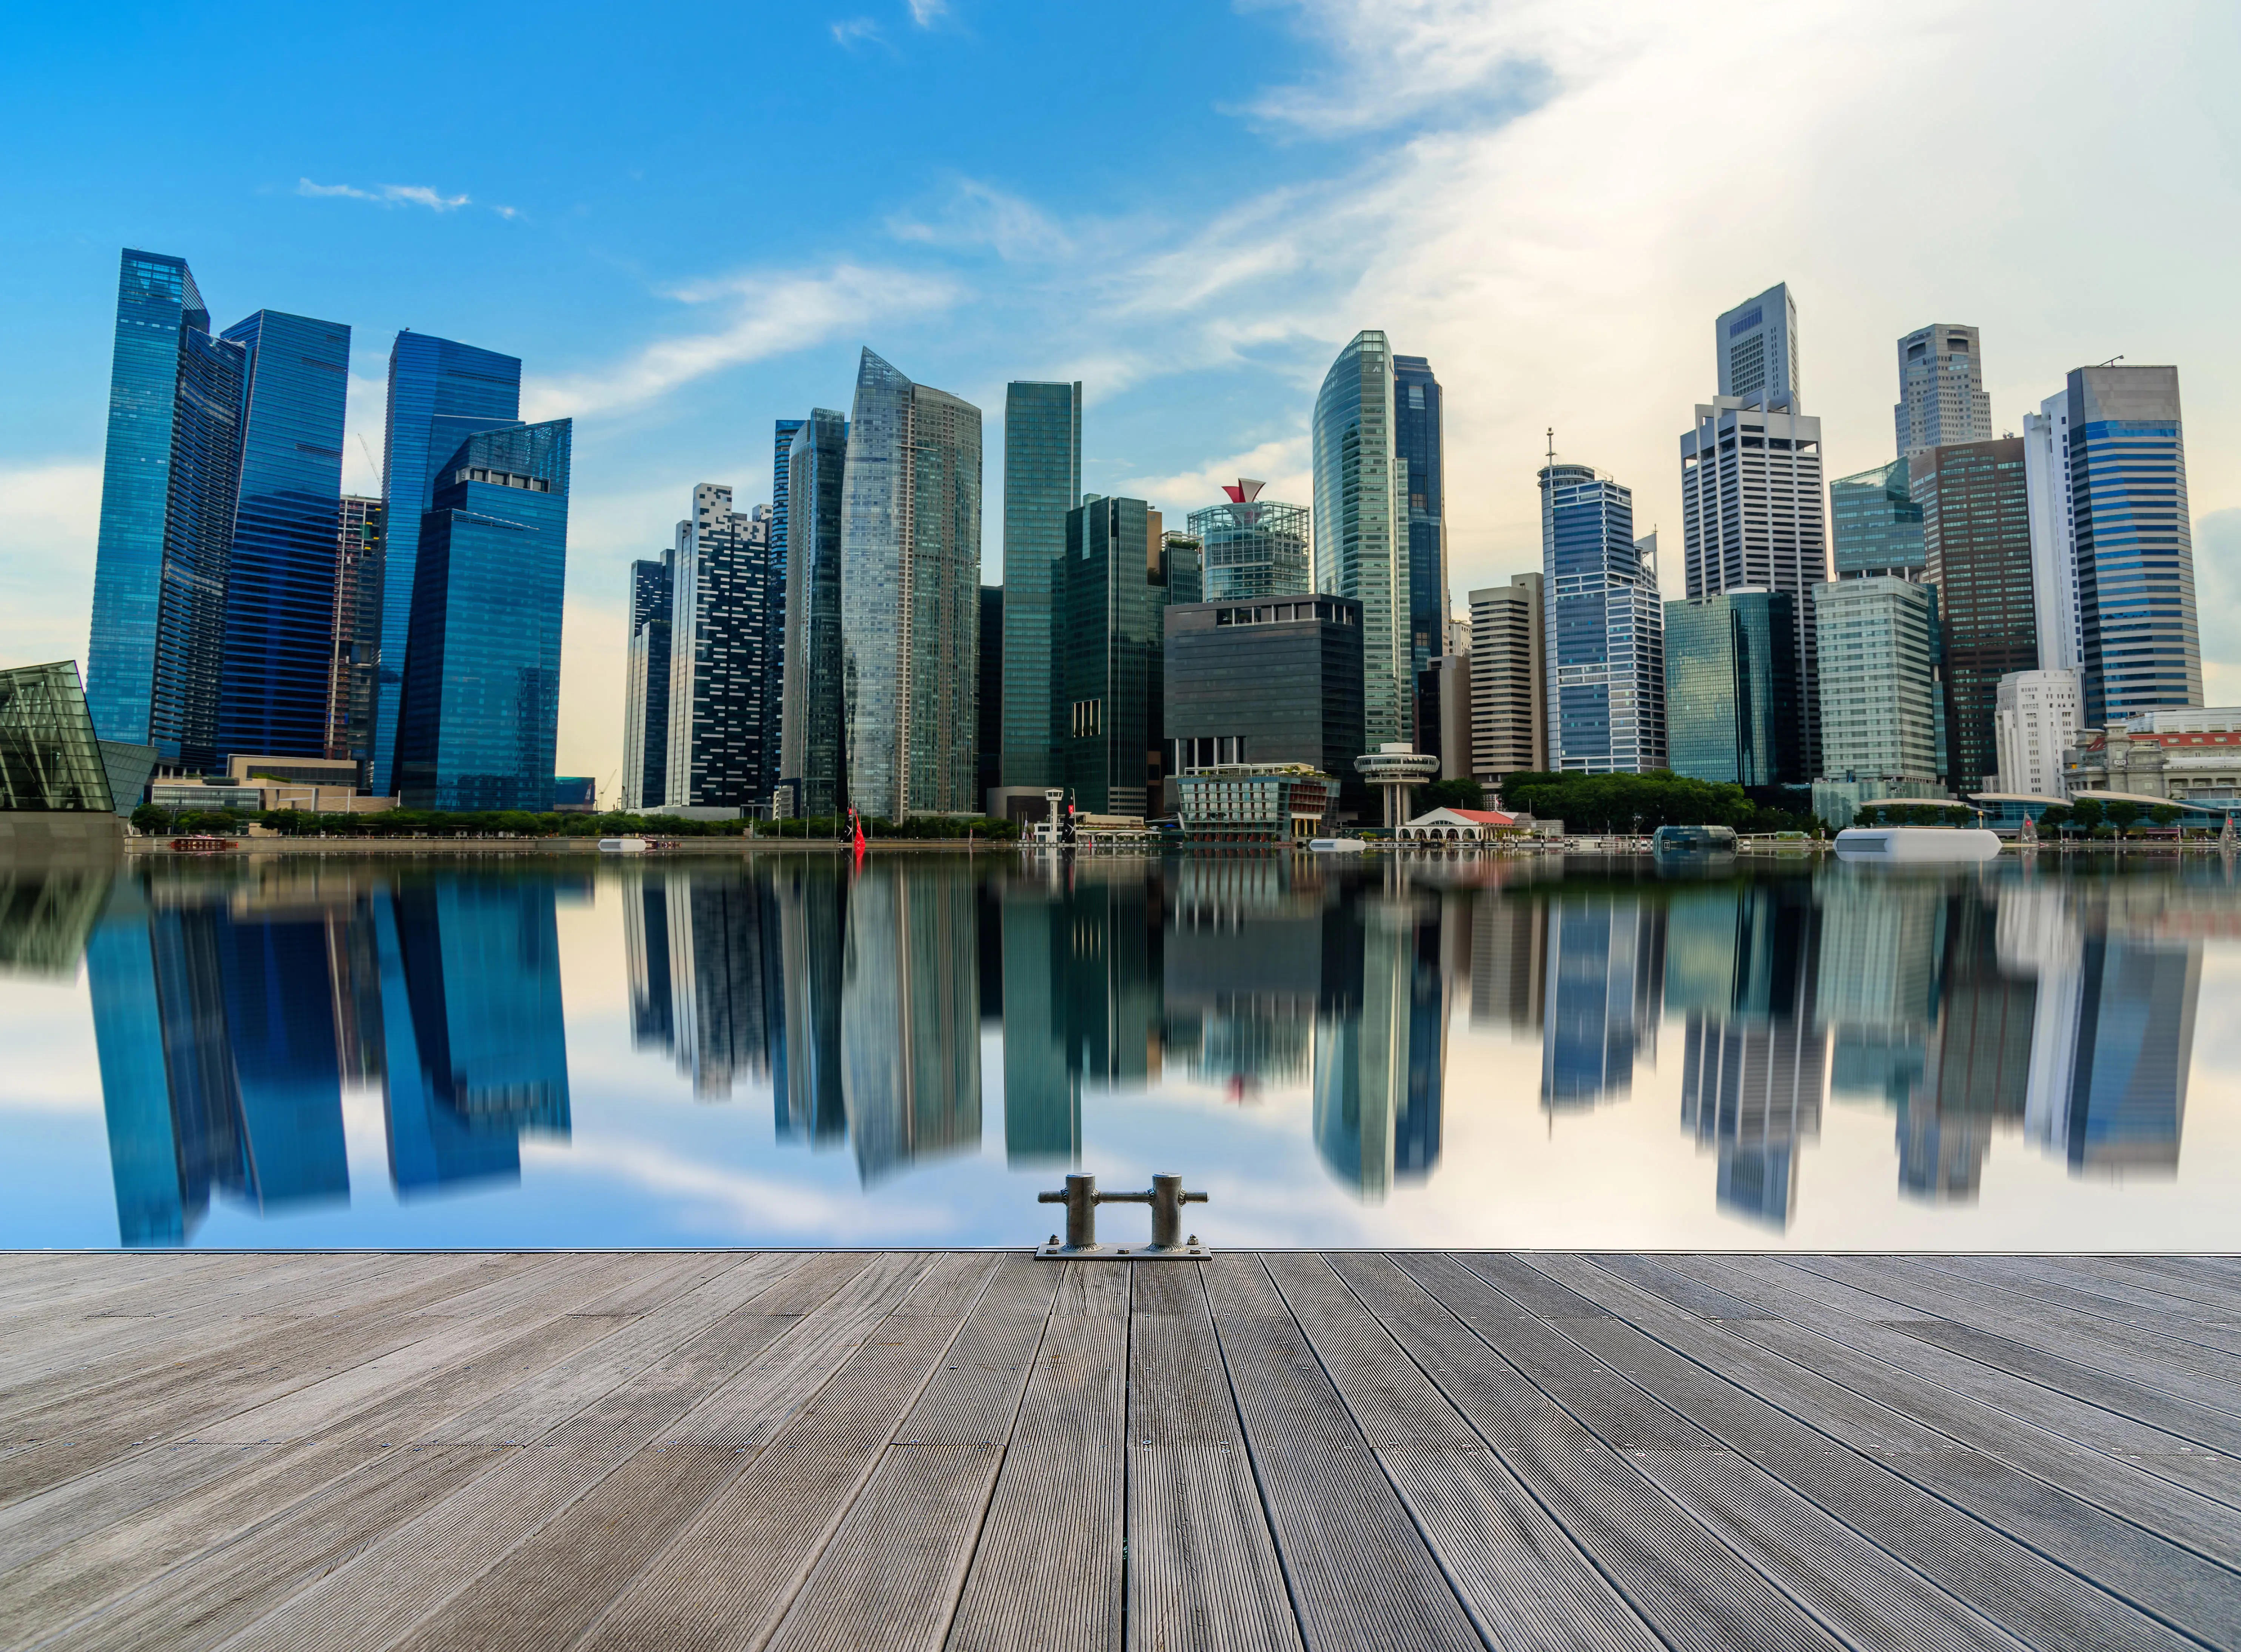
2054, 544
1272, 682
1361, 526
1731, 689
354, 633
1111, 595
479, 710
1941, 398
1509, 713
1042, 483
1253, 547
2035, 721
812, 721
2191, 753
1603, 629
1875, 526
1756, 345
1879, 692
1976, 519
1420, 442
2141, 644
726, 634
646, 684
1752, 516
1443, 714
440, 392
910, 595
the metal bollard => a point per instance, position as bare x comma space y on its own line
1080, 1197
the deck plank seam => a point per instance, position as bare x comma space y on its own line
2019, 1292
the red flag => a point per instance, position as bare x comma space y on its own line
857, 825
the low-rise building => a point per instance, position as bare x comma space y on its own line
2035, 721
2180, 753
1254, 803
1464, 825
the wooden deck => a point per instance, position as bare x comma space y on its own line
973, 1450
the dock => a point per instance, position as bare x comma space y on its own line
979, 1450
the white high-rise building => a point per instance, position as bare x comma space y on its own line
1757, 346
2054, 551
1941, 398
2036, 718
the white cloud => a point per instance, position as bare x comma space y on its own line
394, 195
770, 315
50, 520
850, 30
927, 13
1283, 465
979, 214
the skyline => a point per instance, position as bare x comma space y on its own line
1197, 269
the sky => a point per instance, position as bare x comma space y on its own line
686, 222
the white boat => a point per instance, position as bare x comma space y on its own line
623, 846
1337, 845
1917, 843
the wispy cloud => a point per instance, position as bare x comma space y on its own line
851, 32
927, 13
394, 195
979, 214
770, 314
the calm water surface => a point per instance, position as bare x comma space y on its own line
289, 1051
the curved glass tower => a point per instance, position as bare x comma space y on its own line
1361, 526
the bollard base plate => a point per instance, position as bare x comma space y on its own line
1126, 1253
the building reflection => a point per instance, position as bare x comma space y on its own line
1380, 1056
1604, 972
910, 1015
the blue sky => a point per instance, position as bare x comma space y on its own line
687, 219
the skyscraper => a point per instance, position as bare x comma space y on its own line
1604, 629
354, 659
1042, 482
1875, 524
726, 599
1362, 527
812, 723
1272, 682
1731, 689
988, 738
440, 393
1107, 654
479, 706
1757, 344
1752, 515
1976, 520
1253, 547
646, 684
910, 594
1420, 441
2054, 545
2142, 644
1941, 398
1510, 713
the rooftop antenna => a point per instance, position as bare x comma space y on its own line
2111, 362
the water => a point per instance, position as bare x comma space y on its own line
366, 1052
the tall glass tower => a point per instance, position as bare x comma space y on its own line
1731, 689
2135, 546
280, 571
1605, 630
910, 595
1042, 482
440, 393
1253, 546
813, 746
1419, 439
646, 684
1361, 526
1976, 529
480, 703
1875, 524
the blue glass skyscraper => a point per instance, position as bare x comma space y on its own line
813, 753
1606, 629
278, 663
439, 394
1361, 527
480, 699
1731, 693
1042, 482
1419, 437
1874, 525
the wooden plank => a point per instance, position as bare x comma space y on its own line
1981, 1531
1699, 1594
2068, 1283
891, 1575
1528, 1587
1203, 1568
1047, 1568
2198, 1279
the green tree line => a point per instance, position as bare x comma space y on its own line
1643, 802
514, 823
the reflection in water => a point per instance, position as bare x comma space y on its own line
234, 1009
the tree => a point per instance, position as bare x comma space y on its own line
1452, 794
2121, 814
2163, 815
2054, 818
2086, 813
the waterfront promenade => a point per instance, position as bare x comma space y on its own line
976, 1449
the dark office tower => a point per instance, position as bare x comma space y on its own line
910, 1017
1107, 651
2135, 546
910, 595
724, 957
1975, 531
645, 685
439, 394
1042, 1087
1977, 1078
1731, 690
812, 748
813, 917
1874, 525
781, 511
988, 747
646, 952
724, 596
482, 668
353, 671
1268, 682
1042, 482
169, 481
779, 582
1419, 437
